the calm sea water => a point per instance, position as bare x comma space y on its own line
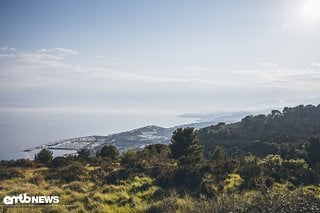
20, 129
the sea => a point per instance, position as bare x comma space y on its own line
20, 129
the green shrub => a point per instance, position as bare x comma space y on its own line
169, 205
9, 173
72, 172
59, 162
75, 186
44, 156
109, 151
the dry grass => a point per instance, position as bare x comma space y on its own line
127, 196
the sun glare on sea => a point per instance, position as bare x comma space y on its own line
311, 10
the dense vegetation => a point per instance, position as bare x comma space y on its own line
261, 164
281, 133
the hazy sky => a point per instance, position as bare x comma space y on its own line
181, 56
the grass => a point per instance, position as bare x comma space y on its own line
134, 195
140, 194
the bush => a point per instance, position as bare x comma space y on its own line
59, 162
169, 205
72, 172
36, 179
109, 151
44, 156
8, 173
129, 158
24, 163
75, 186
272, 200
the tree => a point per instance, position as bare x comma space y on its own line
44, 156
158, 151
313, 150
109, 151
59, 162
129, 158
275, 113
218, 154
83, 154
72, 172
185, 146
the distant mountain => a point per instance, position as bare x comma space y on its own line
137, 138
227, 117
134, 139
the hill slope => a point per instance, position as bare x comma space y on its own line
134, 139
291, 126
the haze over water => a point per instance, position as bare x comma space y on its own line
23, 129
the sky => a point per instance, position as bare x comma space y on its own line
158, 56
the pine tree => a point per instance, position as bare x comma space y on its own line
44, 156
185, 146
83, 154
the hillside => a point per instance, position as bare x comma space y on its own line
265, 163
291, 127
